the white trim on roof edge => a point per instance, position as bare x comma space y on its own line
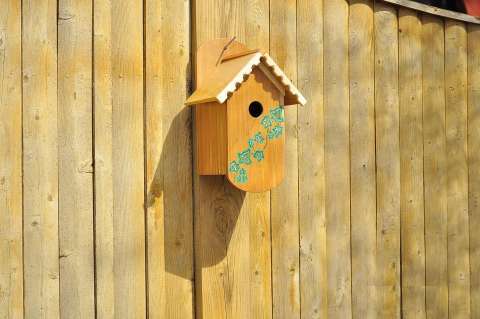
256, 59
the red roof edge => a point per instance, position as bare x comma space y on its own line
473, 7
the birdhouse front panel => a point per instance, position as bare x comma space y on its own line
256, 134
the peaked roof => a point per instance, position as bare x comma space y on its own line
232, 71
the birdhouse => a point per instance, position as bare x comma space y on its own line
239, 114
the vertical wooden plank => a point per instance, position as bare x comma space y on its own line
457, 175
362, 158
11, 263
435, 169
75, 159
221, 222
257, 35
211, 242
128, 159
474, 164
40, 166
103, 178
238, 262
232, 229
285, 249
120, 71
169, 160
387, 161
218, 19
337, 158
260, 285
216, 203
311, 170
411, 165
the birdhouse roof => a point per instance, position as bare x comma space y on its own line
231, 72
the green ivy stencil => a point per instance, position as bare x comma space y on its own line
256, 145
244, 157
259, 155
259, 138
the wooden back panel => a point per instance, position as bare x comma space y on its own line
211, 138
210, 118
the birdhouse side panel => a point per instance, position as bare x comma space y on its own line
256, 134
211, 138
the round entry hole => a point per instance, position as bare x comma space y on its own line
255, 109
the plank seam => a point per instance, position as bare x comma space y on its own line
423, 164
468, 161
145, 150
468, 169
22, 159
446, 151
190, 72
400, 255
270, 193
374, 48
349, 156
57, 16
422, 47
94, 193
298, 173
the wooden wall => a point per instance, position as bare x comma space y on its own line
102, 214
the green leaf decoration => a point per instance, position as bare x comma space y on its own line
278, 114
259, 155
272, 123
242, 177
259, 138
275, 132
234, 167
266, 121
244, 157
251, 143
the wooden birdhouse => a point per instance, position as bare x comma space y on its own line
239, 114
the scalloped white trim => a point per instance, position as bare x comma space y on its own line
239, 78
284, 79
256, 59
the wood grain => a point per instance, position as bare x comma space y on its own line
121, 212
435, 168
457, 174
75, 159
387, 143
337, 159
40, 165
249, 271
387, 161
211, 203
169, 160
211, 138
257, 35
11, 238
128, 159
285, 250
474, 165
103, 178
268, 173
411, 165
362, 159
232, 229
311, 165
